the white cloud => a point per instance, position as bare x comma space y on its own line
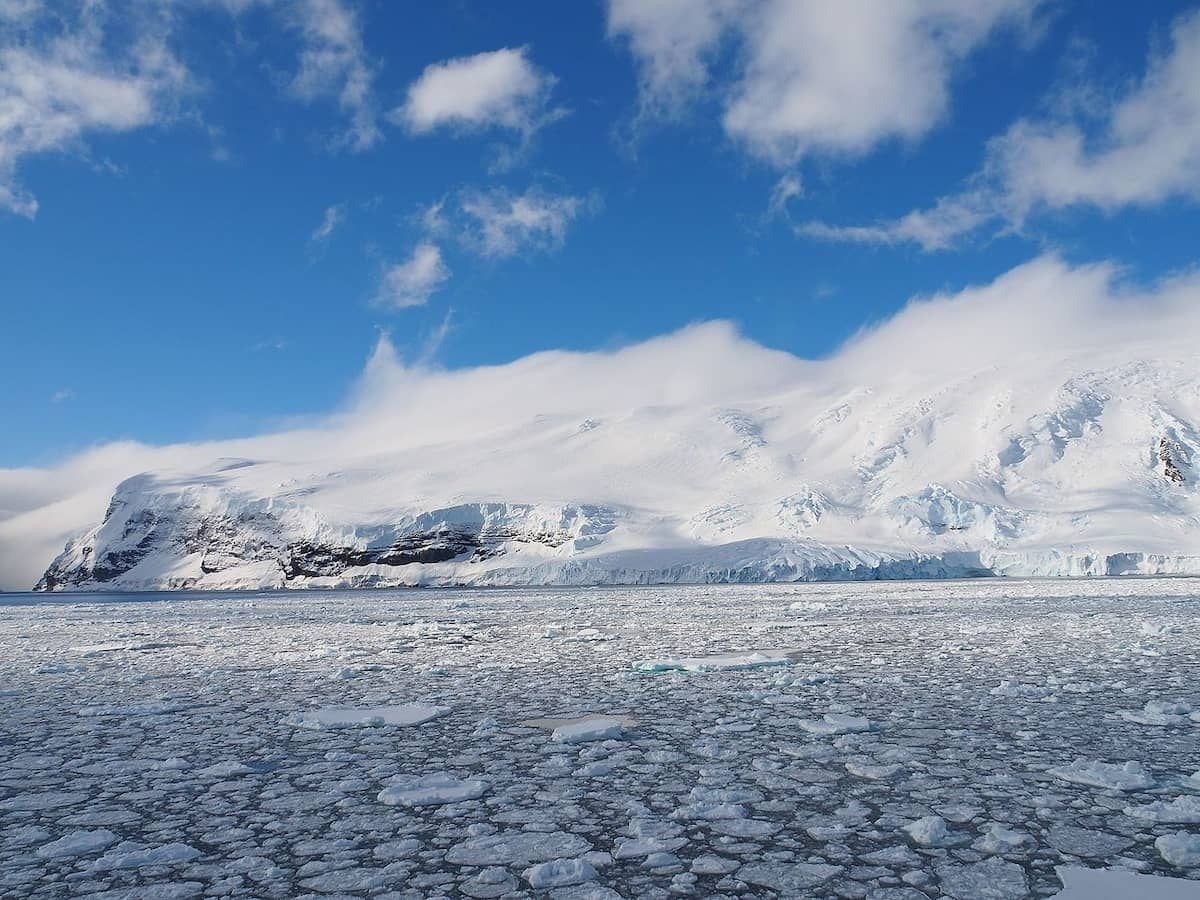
413, 282
672, 41
332, 219
501, 224
62, 395
333, 63
786, 189
811, 76
1083, 311
498, 89
938, 228
57, 87
1145, 150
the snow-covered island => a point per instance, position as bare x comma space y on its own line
1082, 463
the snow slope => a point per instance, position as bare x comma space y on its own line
954, 440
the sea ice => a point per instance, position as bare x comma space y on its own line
837, 723
129, 855
78, 843
1128, 776
720, 663
998, 839
1121, 884
431, 790
1160, 712
788, 879
590, 729
992, 879
1180, 849
929, 831
559, 873
1183, 810
332, 717
517, 848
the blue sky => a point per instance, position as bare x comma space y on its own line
498, 179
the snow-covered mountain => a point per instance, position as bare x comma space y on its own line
999, 431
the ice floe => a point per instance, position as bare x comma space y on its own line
837, 723
333, 717
1127, 776
731, 662
1181, 849
78, 843
1180, 811
1121, 884
559, 873
597, 728
431, 790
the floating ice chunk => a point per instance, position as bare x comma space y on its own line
40, 801
1192, 781
54, 669
1128, 776
78, 843
1086, 842
329, 717
1160, 712
1018, 690
431, 790
708, 864
788, 879
515, 848
998, 839
720, 663
1120, 884
991, 879
495, 881
745, 828
898, 855
929, 831
228, 769
592, 729
1179, 849
1183, 810
150, 708
559, 873
838, 723
645, 846
871, 770
127, 855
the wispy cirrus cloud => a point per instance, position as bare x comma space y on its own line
331, 221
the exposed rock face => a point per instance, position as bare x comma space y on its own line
1166, 455
175, 536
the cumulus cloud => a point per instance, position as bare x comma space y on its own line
1144, 151
57, 87
809, 76
498, 89
1035, 315
413, 282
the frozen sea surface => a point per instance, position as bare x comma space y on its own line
893, 740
